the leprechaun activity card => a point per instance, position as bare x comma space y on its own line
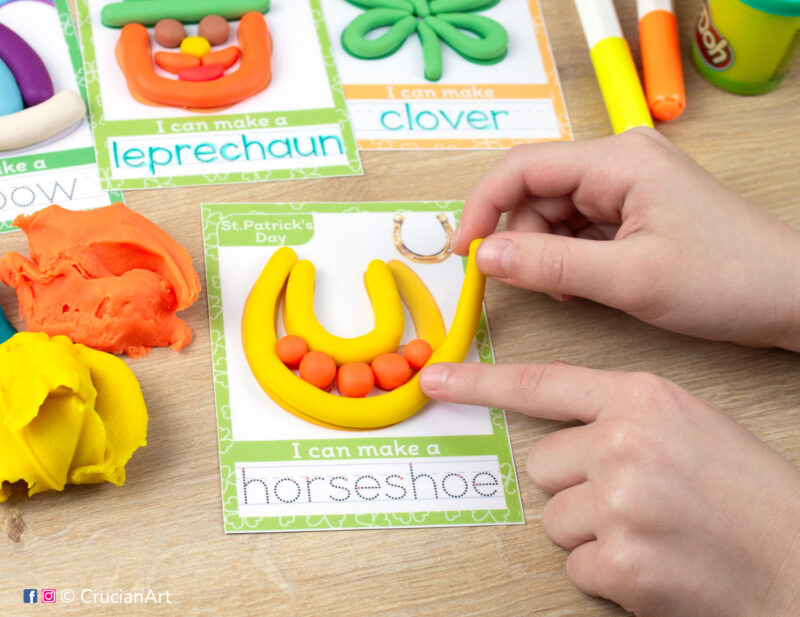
46, 146
326, 427
447, 73
190, 92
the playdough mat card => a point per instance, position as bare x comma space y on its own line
447, 73
46, 146
444, 465
213, 91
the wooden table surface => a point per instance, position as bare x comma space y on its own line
163, 530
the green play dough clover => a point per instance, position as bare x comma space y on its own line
475, 37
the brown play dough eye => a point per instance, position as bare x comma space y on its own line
169, 32
214, 29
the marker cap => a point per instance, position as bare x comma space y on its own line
661, 64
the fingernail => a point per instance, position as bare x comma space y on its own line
457, 236
432, 378
495, 256
529, 469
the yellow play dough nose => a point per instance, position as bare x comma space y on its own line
196, 46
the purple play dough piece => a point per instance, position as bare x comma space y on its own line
32, 77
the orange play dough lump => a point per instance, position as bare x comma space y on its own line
107, 278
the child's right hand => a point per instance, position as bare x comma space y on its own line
667, 506
686, 253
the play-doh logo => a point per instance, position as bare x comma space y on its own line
713, 47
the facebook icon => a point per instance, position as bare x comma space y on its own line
30, 596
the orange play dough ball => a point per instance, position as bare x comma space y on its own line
318, 369
391, 371
291, 349
355, 379
417, 352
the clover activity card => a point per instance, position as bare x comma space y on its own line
239, 91
46, 146
447, 73
284, 468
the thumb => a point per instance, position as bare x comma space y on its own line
599, 270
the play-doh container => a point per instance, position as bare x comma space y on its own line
746, 46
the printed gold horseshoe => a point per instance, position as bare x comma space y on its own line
406, 252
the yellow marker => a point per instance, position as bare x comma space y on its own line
613, 65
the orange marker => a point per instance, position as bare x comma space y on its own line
661, 59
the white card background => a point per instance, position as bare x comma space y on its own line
38, 24
522, 65
293, 55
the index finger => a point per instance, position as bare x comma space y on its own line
597, 175
554, 391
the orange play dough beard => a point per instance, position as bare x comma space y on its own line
108, 278
252, 76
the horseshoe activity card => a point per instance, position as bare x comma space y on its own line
46, 152
447, 73
189, 92
322, 316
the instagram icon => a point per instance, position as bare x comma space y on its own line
48, 596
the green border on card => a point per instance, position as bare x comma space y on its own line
74, 48
104, 130
59, 159
232, 452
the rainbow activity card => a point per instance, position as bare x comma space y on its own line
284, 467
46, 146
255, 97
447, 73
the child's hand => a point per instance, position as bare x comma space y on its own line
689, 254
668, 507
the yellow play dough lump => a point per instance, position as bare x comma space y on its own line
195, 46
68, 414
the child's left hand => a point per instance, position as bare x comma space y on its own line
668, 507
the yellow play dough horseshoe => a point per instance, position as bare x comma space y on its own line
421, 305
299, 318
311, 403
